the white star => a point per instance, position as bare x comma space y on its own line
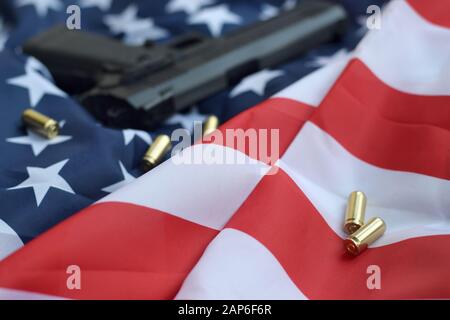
117, 22
36, 85
289, 4
38, 143
188, 6
256, 82
136, 30
103, 5
140, 36
321, 61
42, 179
129, 134
127, 178
3, 35
34, 64
3, 39
215, 18
268, 12
186, 120
41, 6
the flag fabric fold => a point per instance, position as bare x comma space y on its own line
376, 120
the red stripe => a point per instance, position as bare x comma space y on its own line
286, 115
435, 11
123, 250
313, 254
385, 127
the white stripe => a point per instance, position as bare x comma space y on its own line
11, 294
236, 266
9, 240
207, 194
313, 88
408, 53
411, 204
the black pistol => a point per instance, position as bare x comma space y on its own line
139, 87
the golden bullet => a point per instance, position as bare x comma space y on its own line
156, 152
354, 215
210, 125
364, 236
40, 123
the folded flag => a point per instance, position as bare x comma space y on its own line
376, 119
43, 182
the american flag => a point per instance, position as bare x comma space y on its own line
368, 115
